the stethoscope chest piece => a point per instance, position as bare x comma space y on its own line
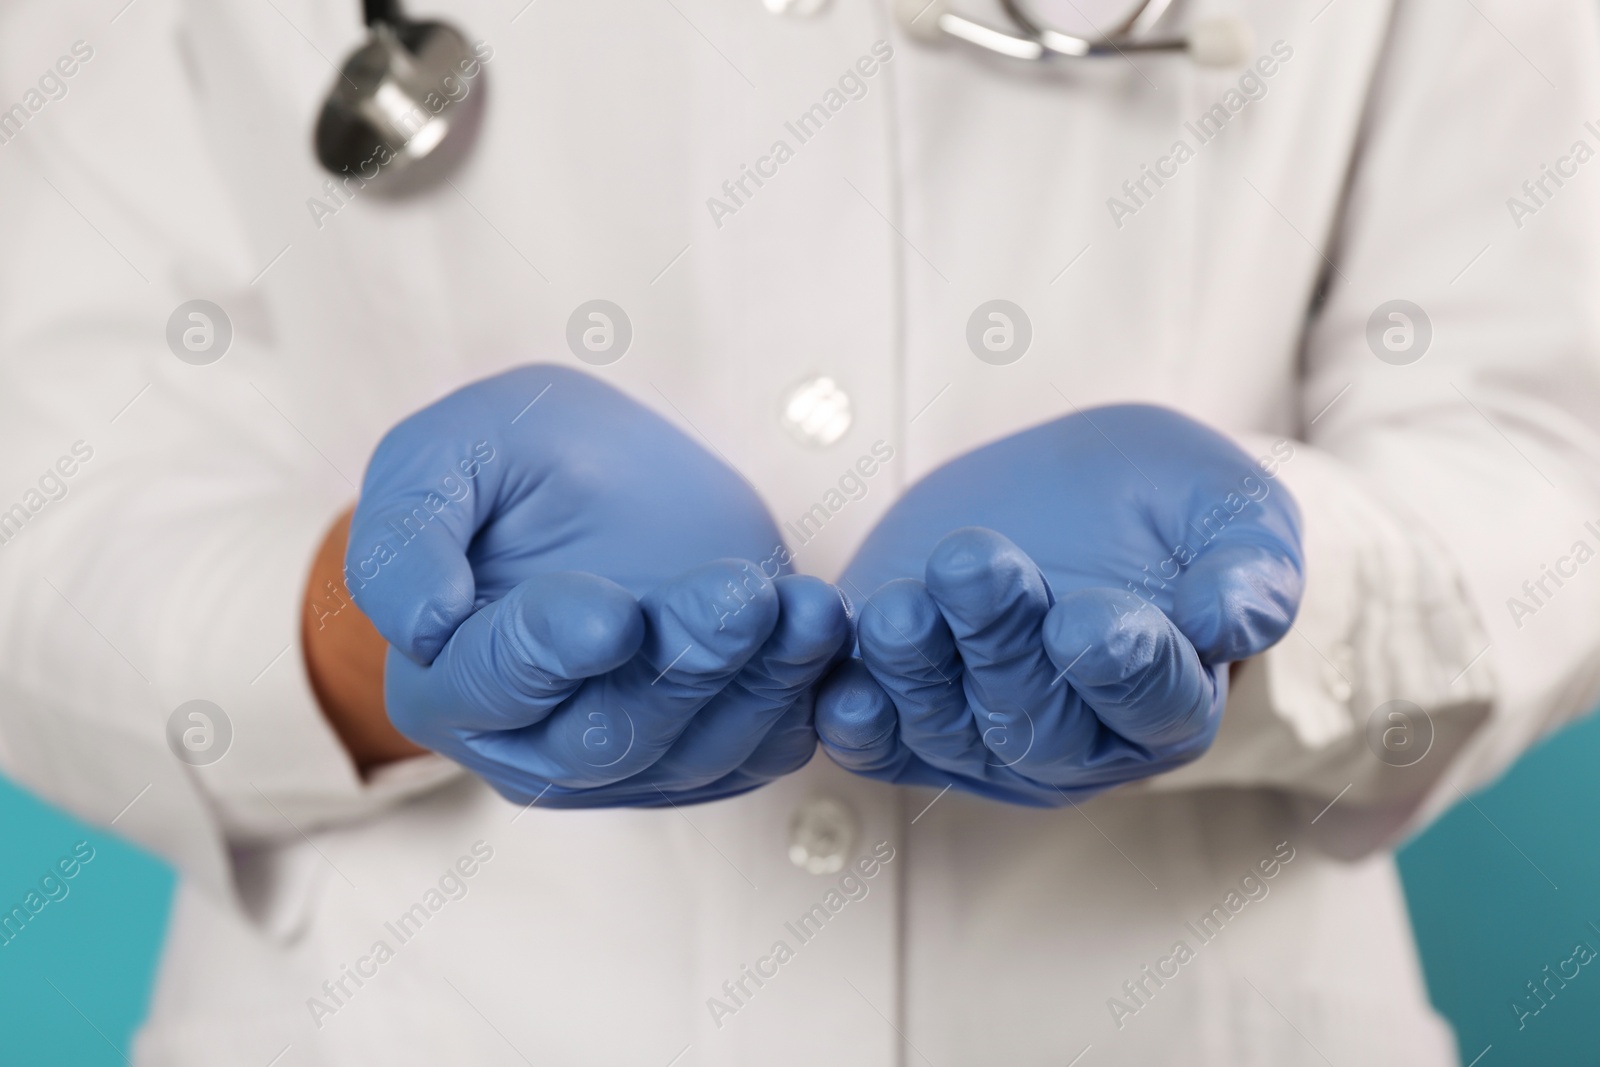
407, 95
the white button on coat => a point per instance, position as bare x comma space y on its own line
817, 412
823, 835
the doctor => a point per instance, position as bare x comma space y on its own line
1205, 456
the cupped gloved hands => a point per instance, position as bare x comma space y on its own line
585, 607
1053, 615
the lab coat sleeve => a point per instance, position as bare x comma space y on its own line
157, 518
1452, 503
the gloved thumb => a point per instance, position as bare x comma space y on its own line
1131, 666
1237, 599
513, 662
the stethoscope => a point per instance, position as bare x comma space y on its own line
392, 106
1217, 42
400, 100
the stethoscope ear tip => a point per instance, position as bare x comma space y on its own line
1224, 41
920, 18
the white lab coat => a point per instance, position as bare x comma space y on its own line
1376, 166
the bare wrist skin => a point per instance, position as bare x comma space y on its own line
344, 657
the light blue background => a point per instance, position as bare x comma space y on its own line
1498, 888
74, 982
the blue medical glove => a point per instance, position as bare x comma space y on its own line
1054, 614
582, 603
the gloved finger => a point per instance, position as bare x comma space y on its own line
1131, 666
789, 744
1237, 599
431, 484
859, 728
812, 626
701, 628
995, 600
909, 648
515, 660
856, 721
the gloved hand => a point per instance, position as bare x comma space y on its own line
1053, 615
547, 559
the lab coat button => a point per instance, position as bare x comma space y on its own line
797, 8
1337, 684
817, 412
822, 835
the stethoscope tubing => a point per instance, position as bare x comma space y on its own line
1220, 42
